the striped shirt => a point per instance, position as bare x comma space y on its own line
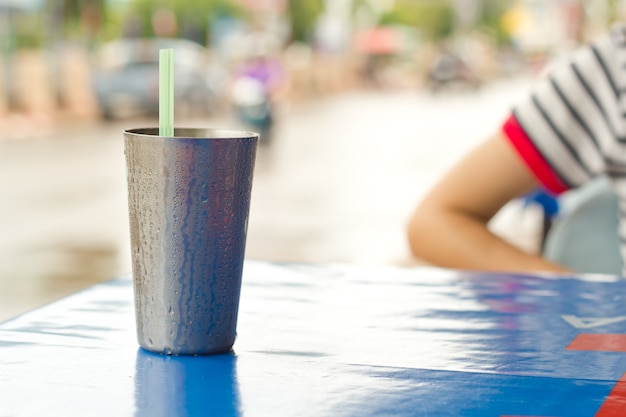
572, 127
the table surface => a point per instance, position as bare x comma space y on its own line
337, 340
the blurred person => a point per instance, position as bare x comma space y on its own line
330, 44
164, 23
259, 83
569, 131
298, 63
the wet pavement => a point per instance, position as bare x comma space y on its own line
336, 185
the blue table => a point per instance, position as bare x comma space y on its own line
337, 340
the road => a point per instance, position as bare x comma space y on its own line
337, 185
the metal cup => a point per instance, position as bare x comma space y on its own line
189, 200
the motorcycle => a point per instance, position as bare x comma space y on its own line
448, 70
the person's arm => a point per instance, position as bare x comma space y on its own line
450, 227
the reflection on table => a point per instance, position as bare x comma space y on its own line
337, 340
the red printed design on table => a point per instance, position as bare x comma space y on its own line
615, 404
599, 342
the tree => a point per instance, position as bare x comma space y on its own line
491, 18
435, 20
83, 18
194, 17
303, 15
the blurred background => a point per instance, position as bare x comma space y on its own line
362, 105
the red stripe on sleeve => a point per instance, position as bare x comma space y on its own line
532, 157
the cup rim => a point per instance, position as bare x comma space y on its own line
194, 133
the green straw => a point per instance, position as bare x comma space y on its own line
166, 92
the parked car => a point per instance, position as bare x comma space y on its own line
126, 77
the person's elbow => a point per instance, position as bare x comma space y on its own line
420, 230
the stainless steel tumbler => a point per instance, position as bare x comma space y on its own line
189, 200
